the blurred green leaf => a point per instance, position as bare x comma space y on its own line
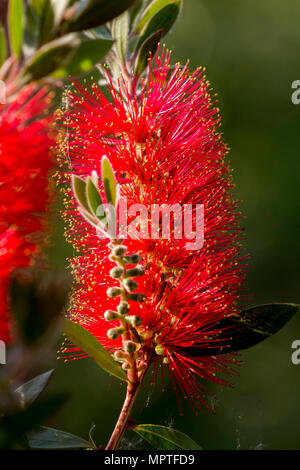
109, 181
247, 329
147, 49
163, 20
154, 7
50, 57
15, 25
89, 53
15, 425
120, 28
79, 191
2, 45
135, 11
89, 344
31, 31
29, 391
49, 438
164, 438
98, 12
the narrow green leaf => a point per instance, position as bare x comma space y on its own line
2, 46
98, 12
109, 182
247, 329
89, 344
164, 438
50, 57
135, 12
86, 56
147, 50
15, 25
163, 20
47, 22
79, 191
94, 200
48, 438
29, 391
151, 11
120, 28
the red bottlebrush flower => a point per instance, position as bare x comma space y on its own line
164, 144
25, 162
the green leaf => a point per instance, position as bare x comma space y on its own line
147, 49
135, 12
29, 391
15, 25
89, 53
109, 182
163, 438
14, 426
2, 46
50, 57
120, 28
163, 20
49, 438
98, 12
79, 191
94, 199
89, 344
247, 329
154, 7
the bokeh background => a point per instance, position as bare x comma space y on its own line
250, 49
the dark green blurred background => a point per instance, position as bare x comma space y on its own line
251, 49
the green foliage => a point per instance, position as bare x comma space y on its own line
146, 51
89, 344
120, 29
88, 53
163, 20
15, 25
110, 185
48, 438
51, 56
28, 392
164, 438
247, 329
98, 12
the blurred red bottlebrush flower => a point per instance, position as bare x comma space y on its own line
25, 161
164, 144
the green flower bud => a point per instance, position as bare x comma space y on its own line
159, 349
116, 272
114, 333
119, 250
110, 315
114, 292
123, 308
134, 320
137, 297
130, 284
139, 270
130, 347
132, 259
119, 356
